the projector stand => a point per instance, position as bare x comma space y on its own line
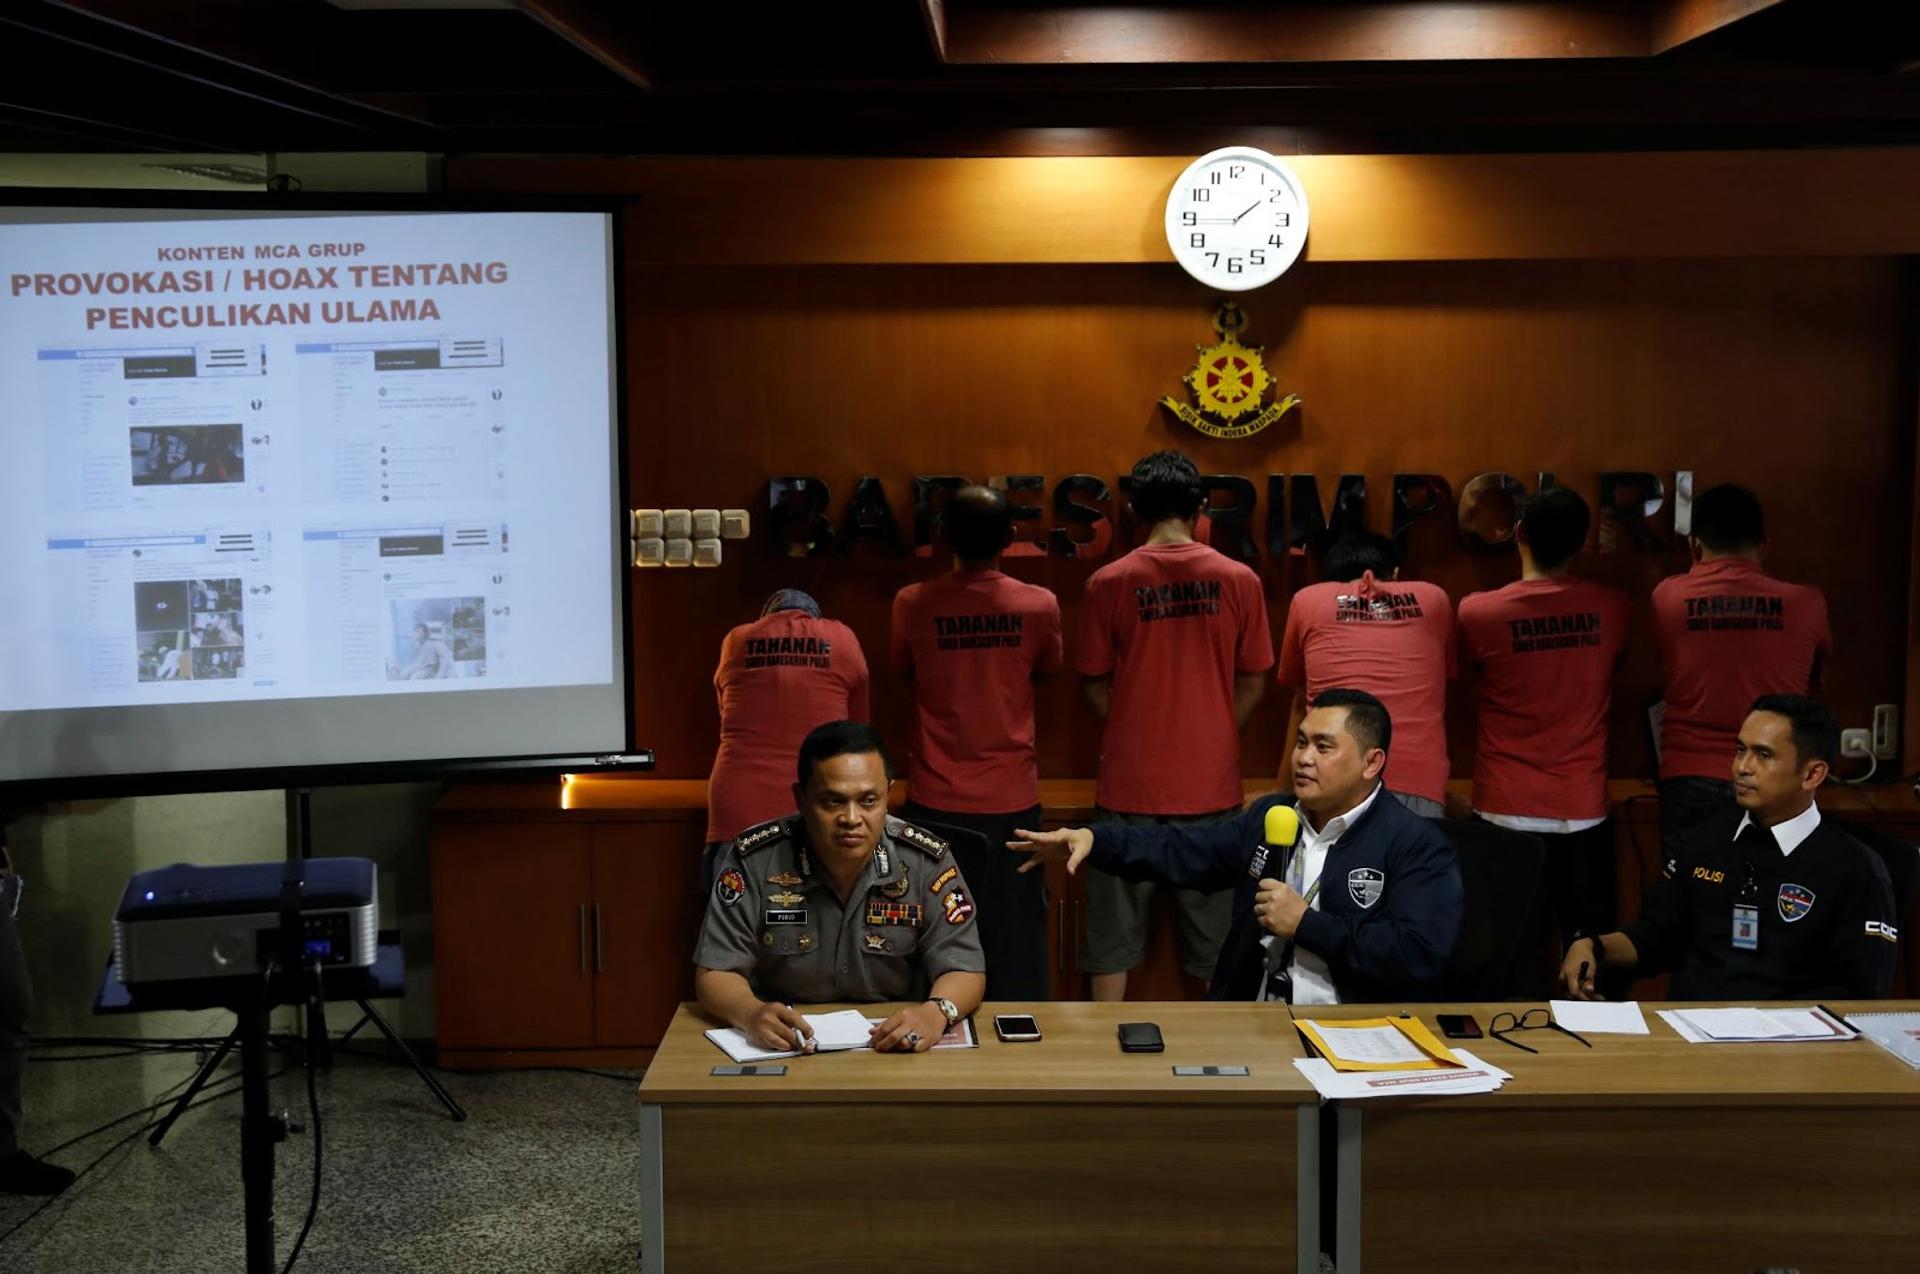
319, 1048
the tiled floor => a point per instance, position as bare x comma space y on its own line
543, 1176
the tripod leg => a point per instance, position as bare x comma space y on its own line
454, 1108
193, 1089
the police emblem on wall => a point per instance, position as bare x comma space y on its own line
1229, 382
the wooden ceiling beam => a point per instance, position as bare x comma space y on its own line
588, 27
1679, 22
1363, 31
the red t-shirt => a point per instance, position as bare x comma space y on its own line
1547, 649
1729, 633
1395, 641
778, 678
972, 642
1173, 624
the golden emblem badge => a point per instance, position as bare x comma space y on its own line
1229, 380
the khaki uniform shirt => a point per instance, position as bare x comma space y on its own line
775, 918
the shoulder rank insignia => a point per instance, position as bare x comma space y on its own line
760, 837
924, 841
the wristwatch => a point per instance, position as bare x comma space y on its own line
947, 1008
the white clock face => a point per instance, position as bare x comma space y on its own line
1236, 218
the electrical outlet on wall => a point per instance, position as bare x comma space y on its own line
1856, 743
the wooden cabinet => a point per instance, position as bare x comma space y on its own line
560, 937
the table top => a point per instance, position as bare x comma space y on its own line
1661, 1069
1078, 1060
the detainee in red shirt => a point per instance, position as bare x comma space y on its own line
1547, 647
1728, 633
779, 677
1174, 652
1365, 628
973, 642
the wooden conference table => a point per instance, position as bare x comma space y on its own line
1641, 1153
1063, 1153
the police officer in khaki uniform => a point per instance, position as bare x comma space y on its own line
840, 902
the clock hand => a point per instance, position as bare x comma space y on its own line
1220, 221
1250, 208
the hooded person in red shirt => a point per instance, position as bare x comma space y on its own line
1365, 628
1729, 633
779, 676
973, 642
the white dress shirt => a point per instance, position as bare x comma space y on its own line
1790, 833
1312, 980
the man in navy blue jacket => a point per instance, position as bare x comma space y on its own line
1363, 906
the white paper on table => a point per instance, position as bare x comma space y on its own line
832, 1033
1370, 1043
1755, 1026
1476, 1077
1594, 1017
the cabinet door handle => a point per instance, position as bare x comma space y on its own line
583, 937
599, 955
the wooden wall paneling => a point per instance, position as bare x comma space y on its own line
1773, 373
1107, 209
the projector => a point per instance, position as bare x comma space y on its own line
185, 923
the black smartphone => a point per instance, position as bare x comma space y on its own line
1141, 1037
1459, 1026
1016, 1028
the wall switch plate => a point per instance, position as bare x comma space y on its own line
649, 524
679, 523
1856, 743
679, 553
706, 552
650, 551
1886, 731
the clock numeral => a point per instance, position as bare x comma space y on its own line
1234, 171
1276, 196
1189, 218
1200, 194
1215, 176
1256, 257
1213, 260
1196, 240
1274, 240
1234, 266
1282, 218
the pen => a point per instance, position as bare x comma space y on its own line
1836, 1017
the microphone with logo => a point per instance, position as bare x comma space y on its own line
1281, 836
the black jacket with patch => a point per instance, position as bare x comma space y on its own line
1826, 918
1391, 947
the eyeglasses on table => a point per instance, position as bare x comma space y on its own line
1531, 1020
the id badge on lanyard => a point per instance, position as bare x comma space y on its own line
1746, 916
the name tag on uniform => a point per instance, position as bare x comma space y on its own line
895, 913
1746, 927
785, 915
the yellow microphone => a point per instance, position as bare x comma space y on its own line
1282, 830
1283, 826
